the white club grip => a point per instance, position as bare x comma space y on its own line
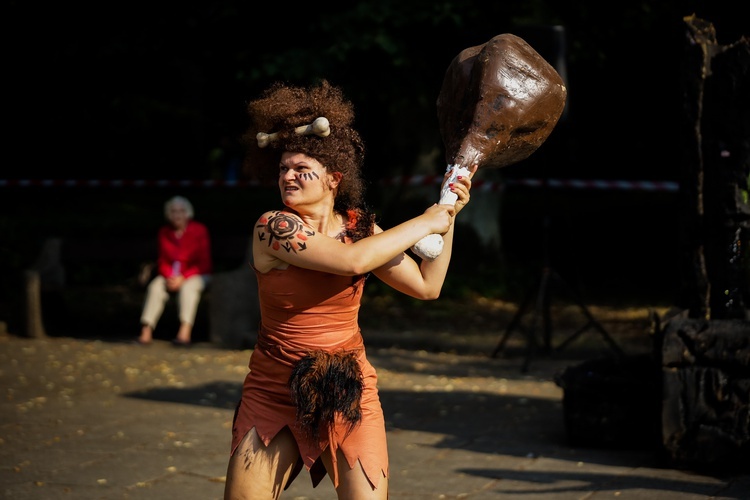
431, 246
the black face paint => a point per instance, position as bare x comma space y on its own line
309, 176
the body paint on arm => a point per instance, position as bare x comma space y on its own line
284, 231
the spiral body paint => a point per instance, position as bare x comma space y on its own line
284, 231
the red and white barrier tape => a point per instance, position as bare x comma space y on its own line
601, 184
427, 180
415, 180
96, 183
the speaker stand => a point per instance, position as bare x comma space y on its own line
548, 278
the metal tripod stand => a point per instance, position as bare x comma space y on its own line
541, 290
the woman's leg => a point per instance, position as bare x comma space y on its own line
184, 333
188, 298
147, 335
353, 483
257, 471
153, 307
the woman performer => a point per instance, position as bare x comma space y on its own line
310, 397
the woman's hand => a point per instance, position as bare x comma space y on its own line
461, 188
440, 218
174, 283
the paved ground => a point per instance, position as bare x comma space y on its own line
90, 419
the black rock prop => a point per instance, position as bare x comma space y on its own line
612, 403
706, 383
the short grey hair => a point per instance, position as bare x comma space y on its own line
179, 200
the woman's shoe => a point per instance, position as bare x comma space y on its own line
181, 343
143, 342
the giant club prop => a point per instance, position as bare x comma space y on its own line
498, 103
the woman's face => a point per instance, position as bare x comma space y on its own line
177, 214
303, 180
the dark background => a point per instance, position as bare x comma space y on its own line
151, 90
131, 90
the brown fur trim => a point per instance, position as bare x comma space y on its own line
324, 385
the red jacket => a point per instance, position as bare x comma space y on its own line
192, 251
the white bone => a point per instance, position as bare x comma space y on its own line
431, 246
319, 127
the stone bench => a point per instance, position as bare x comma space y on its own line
231, 297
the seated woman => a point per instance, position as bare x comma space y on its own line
184, 269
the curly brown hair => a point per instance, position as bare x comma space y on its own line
283, 107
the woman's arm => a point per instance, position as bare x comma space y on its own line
425, 280
195, 247
419, 280
165, 251
281, 238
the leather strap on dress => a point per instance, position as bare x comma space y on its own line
354, 344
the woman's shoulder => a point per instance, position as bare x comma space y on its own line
273, 218
277, 211
194, 225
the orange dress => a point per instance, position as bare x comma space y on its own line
303, 310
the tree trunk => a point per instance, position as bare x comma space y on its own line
716, 224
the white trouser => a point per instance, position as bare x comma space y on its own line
188, 297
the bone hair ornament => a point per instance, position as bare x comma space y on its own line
319, 127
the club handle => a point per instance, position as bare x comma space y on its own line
431, 246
